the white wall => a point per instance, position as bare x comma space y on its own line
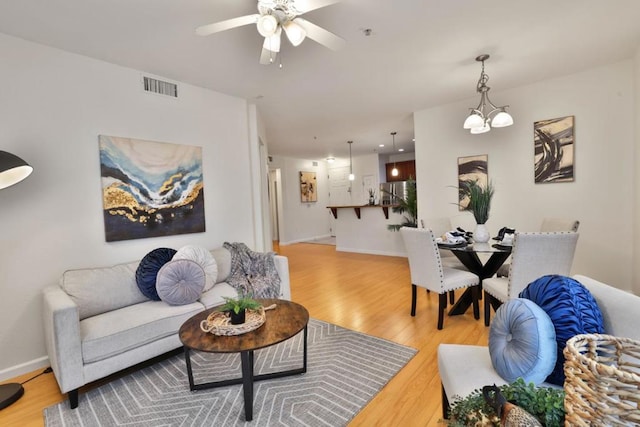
601, 197
52, 108
301, 221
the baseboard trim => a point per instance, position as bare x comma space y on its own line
370, 252
24, 368
306, 239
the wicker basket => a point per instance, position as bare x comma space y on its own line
602, 385
219, 323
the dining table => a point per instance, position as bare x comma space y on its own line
468, 254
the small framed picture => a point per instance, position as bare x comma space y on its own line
308, 187
471, 169
553, 143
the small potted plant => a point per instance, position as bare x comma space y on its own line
480, 205
236, 307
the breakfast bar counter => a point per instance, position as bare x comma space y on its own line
363, 229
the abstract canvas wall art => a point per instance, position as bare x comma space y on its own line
308, 187
471, 169
554, 143
150, 189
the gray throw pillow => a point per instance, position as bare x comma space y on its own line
180, 282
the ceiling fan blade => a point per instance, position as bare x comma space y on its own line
206, 30
304, 6
320, 35
267, 57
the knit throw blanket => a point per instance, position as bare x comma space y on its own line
253, 273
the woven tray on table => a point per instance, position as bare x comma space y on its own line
602, 385
219, 322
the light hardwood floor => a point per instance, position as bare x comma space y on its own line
366, 293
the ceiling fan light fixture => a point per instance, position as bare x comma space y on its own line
295, 33
267, 25
273, 43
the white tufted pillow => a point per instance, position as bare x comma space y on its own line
204, 258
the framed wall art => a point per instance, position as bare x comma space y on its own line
471, 169
308, 187
554, 143
150, 189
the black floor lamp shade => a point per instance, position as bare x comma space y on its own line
12, 169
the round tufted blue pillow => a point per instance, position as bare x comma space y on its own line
148, 270
522, 342
572, 309
180, 281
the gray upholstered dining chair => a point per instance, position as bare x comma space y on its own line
548, 224
534, 255
439, 226
428, 272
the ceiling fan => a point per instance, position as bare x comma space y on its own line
273, 17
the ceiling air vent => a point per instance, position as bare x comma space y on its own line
160, 87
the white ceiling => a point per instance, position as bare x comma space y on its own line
420, 54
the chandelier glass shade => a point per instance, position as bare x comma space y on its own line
486, 115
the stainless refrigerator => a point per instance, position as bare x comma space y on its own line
390, 189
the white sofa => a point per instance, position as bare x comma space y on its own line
464, 368
97, 321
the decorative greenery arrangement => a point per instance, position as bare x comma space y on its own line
544, 403
242, 302
408, 205
479, 200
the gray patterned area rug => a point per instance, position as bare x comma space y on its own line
345, 370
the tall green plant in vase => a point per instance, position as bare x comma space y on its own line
480, 205
406, 205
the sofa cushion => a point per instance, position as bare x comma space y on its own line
148, 271
203, 257
118, 331
522, 342
180, 281
465, 368
572, 309
98, 290
215, 296
223, 261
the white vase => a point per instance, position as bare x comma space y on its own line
481, 235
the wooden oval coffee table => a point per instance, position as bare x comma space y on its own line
282, 323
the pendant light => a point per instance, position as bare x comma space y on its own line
480, 120
351, 175
394, 171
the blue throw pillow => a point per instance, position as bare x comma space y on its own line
572, 309
522, 342
148, 270
180, 281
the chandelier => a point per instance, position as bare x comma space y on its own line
486, 115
